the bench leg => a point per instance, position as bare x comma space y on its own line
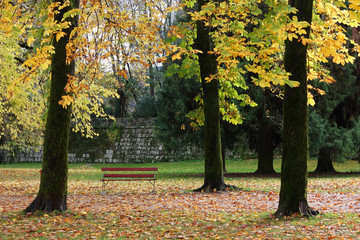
104, 183
153, 183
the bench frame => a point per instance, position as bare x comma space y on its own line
112, 174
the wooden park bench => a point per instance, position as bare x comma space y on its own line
128, 174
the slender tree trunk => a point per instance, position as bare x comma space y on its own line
151, 80
223, 156
214, 176
120, 104
293, 197
53, 183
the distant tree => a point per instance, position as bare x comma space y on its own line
268, 132
333, 120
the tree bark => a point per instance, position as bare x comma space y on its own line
223, 155
214, 176
53, 183
120, 104
325, 159
293, 197
265, 148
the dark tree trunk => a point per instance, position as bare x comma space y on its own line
214, 176
53, 183
120, 104
223, 155
325, 159
295, 119
152, 80
265, 148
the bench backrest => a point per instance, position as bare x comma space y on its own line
127, 174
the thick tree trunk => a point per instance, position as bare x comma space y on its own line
214, 176
325, 159
53, 183
293, 196
265, 148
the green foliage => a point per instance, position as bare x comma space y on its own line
114, 132
21, 107
146, 107
323, 132
175, 101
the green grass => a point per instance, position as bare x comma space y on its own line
185, 169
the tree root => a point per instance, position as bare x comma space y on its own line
304, 209
217, 188
47, 204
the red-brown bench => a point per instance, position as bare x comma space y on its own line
128, 174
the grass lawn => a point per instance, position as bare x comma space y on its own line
130, 211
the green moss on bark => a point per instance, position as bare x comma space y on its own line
214, 177
53, 183
295, 119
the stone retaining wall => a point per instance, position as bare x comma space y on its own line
121, 142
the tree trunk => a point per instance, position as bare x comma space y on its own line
293, 196
53, 183
214, 176
151, 80
265, 148
325, 159
120, 104
223, 156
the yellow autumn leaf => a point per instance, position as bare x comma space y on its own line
30, 41
326, 51
45, 65
59, 35
66, 101
338, 60
176, 56
311, 102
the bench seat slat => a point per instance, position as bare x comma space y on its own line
128, 179
105, 169
108, 175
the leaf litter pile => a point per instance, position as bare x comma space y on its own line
130, 211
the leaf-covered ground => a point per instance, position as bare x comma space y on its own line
131, 211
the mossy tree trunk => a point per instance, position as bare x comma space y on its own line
214, 176
54, 174
293, 197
